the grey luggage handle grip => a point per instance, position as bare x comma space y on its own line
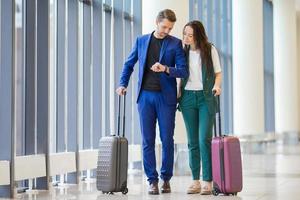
219, 121
119, 113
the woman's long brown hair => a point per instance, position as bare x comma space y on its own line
201, 43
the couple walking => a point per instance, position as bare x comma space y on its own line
163, 58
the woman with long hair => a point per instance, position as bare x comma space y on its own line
197, 103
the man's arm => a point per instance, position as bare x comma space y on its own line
180, 71
129, 65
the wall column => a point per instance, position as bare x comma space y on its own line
248, 70
286, 85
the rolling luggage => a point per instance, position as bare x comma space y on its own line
112, 163
226, 162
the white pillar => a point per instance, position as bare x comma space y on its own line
286, 85
248, 93
150, 9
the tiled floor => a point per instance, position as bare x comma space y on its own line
273, 172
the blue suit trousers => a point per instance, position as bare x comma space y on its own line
153, 108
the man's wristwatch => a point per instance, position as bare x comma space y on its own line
166, 68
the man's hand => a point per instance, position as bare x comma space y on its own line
121, 90
157, 67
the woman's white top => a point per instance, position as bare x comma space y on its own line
195, 67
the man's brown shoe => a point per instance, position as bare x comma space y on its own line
153, 188
165, 188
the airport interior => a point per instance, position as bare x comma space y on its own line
60, 66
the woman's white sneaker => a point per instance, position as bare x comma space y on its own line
194, 188
207, 188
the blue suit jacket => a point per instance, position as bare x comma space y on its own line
171, 54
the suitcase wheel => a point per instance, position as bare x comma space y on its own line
125, 191
215, 191
107, 192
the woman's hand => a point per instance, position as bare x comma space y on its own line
217, 87
217, 90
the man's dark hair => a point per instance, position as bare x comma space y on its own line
166, 14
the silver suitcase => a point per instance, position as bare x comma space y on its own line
112, 163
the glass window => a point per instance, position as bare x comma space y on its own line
52, 73
268, 66
19, 74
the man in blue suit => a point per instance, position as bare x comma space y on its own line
161, 60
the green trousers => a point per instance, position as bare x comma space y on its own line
199, 123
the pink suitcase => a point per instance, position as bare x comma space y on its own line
226, 162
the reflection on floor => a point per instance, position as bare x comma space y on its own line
272, 172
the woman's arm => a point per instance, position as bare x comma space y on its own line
217, 69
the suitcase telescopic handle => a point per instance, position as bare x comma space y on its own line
219, 118
119, 114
